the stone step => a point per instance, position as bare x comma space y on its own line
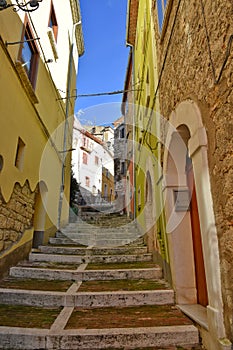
104, 225
100, 235
64, 241
85, 299
99, 232
86, 339
76, 259
93, 251
98, 225
86, 275
92, 241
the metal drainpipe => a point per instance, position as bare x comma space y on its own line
61, 195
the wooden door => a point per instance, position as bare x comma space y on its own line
202, 297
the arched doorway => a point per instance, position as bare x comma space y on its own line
187, 135
39, 215
186, 217
200, 275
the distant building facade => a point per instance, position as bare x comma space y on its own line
120, 163
93, 166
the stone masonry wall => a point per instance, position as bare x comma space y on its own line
15, 216
195, 51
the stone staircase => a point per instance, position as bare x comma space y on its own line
99, 230
68, 296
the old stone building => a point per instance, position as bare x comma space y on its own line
191, 100
194, 47
39, 53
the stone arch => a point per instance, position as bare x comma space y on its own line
39, 215
187, 135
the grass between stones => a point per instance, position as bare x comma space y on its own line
122, 285
27, 317
35, 284
142, 316
118, 266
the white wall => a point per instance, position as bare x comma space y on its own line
91, 170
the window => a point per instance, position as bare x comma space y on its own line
19, 157
148, 188
28, 55
161, 6
84, 158
87, 181
53, 22
1, 162
122, 133
105, 191
139, 198
122, 168
96, 160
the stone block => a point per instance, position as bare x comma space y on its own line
1, 245
3, 221
14, 236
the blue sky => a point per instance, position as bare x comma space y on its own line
103, 66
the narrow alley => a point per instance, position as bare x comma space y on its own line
116, 175
104, 295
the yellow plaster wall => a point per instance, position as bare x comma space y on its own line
147, 126
40, 125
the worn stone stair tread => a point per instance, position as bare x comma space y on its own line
86, 275
88, 258
85, 299
85, 241
93, 251
64, 241
86, 339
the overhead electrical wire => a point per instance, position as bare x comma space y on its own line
99, 94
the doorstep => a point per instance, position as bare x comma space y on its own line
197, 313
